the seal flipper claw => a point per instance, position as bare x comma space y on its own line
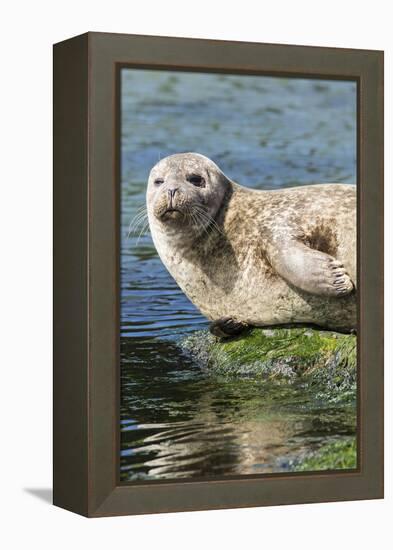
227, 327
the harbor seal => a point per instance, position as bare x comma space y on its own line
250, 257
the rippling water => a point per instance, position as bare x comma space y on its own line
176, 421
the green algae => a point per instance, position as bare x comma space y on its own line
336, 455
324, 361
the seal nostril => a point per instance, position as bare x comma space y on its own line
171, 194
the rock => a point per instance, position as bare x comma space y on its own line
324, 360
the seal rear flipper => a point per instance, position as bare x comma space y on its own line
227, 327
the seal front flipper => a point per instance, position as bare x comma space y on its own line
310, 270
227, 327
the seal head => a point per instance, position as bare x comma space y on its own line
185, 192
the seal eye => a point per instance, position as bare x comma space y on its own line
196, 180
158, 181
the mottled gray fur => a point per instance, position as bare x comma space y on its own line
261, 257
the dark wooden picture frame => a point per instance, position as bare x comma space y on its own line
86, 273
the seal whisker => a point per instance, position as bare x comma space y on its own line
142, 232
137, 217
203, 221
200, 221
194, 218
196, 221
137, 220
204, 215
202, 211
136, 224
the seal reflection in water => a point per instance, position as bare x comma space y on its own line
261, 258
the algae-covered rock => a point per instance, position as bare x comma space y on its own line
336, 455
324, 360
